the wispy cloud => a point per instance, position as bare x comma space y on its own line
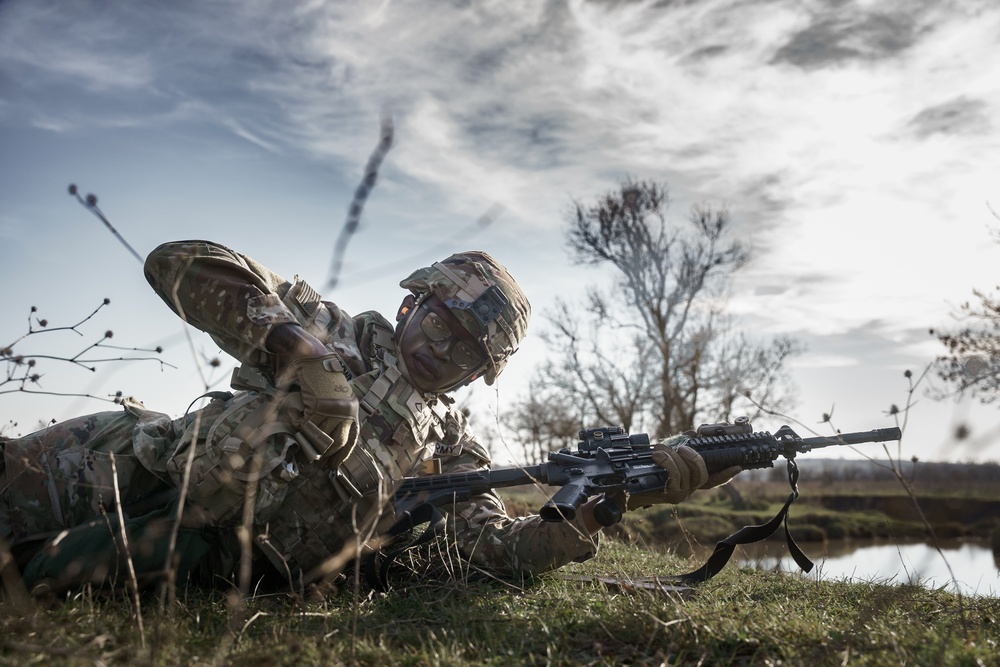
74, 47
961, 115
853, 142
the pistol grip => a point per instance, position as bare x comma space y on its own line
563, 505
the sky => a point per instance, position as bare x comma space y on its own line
853, 142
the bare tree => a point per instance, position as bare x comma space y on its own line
542, 423
971, 362
660, 353
22, 373
587, 372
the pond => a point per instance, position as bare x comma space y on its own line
973, 564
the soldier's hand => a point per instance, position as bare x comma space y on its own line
686, 473
330, 408
325, 390
304, 368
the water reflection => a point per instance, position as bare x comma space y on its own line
975, 566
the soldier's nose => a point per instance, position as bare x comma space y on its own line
440, 348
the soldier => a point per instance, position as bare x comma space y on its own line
330, 412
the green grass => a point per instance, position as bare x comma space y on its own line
743, 617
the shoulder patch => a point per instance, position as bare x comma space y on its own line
444, 450
469, 449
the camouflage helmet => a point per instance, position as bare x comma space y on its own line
484, 297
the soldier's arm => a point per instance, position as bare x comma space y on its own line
232, 298
489, 537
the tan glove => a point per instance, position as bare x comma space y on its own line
686, 473
329, 424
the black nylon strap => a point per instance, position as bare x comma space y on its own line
221, 395
748, 534
375, 566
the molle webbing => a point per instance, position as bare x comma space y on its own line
243, 442
378, 390
327, 515
248, 434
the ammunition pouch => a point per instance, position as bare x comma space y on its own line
242, 440
331, 516
319, 501
324, 408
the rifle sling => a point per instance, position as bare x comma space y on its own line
748, 534
375, 565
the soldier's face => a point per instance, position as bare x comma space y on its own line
437, 350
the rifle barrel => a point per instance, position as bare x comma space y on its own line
875, 435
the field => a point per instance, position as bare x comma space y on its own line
619, 608
606, 612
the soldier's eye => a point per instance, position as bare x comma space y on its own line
434, 327
465, 356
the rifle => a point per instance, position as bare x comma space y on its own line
608, 460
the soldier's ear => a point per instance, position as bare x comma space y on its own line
409, 302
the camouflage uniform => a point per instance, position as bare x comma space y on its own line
58, 506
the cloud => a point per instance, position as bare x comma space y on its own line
851, 140
822, 361
800, 118
52, 124
961, 115
843, 37
74, 48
